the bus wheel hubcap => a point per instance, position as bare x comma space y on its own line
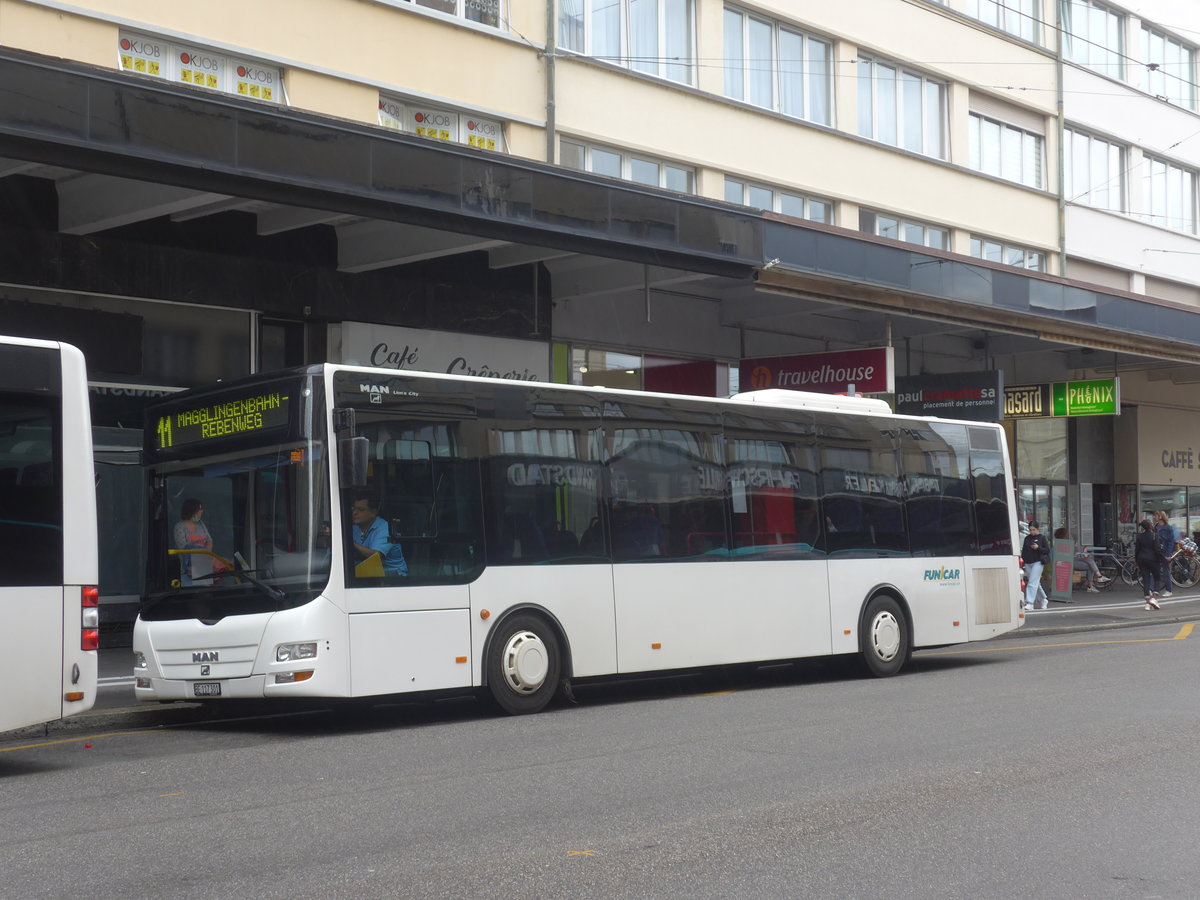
885, 636
525, 662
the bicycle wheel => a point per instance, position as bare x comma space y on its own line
1184, 571
1130, 574
1108, 569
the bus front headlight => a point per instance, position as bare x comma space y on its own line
290, 652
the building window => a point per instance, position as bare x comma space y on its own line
630, 167
1019, 17
486, 12
1093, 36
1095, 172
651, 36
900, 107
1170, 195
776, 67
441, 124
780, 201
1170, 68
1007, 254
200, 68
898, 229
1006, 152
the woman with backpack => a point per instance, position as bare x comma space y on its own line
1145, 551
1166, 538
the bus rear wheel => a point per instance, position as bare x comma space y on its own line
524, 664
884, 644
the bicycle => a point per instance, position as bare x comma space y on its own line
1116, 563
1185, 564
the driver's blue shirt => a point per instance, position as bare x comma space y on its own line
376, 538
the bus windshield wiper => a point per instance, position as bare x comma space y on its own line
242, 570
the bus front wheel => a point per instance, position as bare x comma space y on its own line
524, 664
885, 643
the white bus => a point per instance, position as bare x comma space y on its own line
551, 534
49, 613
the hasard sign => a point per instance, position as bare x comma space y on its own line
1098, 397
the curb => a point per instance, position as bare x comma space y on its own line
1104, 626
141, 716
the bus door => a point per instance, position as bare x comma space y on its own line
677, 598
31, 591
544, 515
409, 601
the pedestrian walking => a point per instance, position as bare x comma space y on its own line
1145, 551
1035, 553
1166, 538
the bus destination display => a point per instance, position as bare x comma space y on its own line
222, 419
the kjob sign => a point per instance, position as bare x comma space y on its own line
860, 371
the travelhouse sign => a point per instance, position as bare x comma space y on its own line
1099, 397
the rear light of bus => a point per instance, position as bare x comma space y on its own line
89, 615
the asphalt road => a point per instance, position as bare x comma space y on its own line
1057, 765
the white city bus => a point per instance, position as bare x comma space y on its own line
553, 533
48, 565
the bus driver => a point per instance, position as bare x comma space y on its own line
370, 535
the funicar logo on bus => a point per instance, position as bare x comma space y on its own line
943, 575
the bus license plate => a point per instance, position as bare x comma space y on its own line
207, 689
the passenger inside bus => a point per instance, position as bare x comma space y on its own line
192, 534
370, 535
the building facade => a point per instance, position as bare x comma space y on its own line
637, 193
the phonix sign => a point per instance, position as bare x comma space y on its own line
1061, 399
861, 371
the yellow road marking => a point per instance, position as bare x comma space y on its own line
78, 740
581, 853
176, 794
1179, 636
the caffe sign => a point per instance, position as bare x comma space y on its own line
390, 347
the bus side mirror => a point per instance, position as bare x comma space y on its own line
353, 454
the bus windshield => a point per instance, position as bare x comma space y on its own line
240, 532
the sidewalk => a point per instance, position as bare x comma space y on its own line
1118, 606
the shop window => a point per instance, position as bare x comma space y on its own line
1041, 449
280, 344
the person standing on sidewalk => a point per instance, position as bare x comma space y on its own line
1166, 537
1145, 551
1035, 553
